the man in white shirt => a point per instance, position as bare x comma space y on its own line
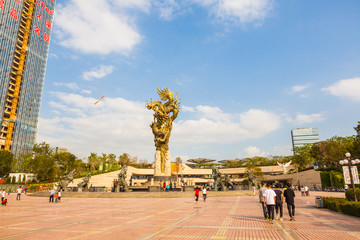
269, 202
52, 194
18, 196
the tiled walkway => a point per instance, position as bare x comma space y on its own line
167, 218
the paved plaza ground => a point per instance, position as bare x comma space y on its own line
235, 217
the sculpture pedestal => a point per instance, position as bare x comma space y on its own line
157, 165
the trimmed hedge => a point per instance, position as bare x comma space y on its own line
336, 179
350, 194
342, 205
351, 208
325, 179
332, 179
333, 203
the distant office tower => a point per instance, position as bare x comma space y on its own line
302, 136
25, 27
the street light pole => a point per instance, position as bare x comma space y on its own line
351, 177
350, 163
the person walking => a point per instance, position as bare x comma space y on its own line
279, 202
302, 189
204, 192
289, 195
59, 194
3, 194
18, 196
261, 200
164, 186
167, 187
175, 186
52, 194
269, 202
306, 189
171, 185
197, 190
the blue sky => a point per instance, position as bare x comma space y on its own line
247, 72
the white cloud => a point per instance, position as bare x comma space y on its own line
187, 109
114, 126
213, 125
143, 5
299, 88
118, 125
235, 11
282, 150
72, 86
100, 71
304, 95
86, 91
253, 151
101, 27
167, 8
304, 118
346, 88
278, 150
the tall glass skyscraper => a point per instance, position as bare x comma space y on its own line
25, 29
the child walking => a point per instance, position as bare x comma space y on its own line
204, 192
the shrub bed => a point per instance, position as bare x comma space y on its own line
342, 205
350, 194
40, 186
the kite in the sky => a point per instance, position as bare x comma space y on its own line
99, 100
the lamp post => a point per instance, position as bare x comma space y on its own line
347, 161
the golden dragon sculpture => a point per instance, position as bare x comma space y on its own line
165, 114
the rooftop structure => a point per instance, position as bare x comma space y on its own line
303, 136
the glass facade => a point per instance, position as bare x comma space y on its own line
302, 136
24, 46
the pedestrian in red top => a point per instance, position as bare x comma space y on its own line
197, 190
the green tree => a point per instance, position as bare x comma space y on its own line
20, 160
43, 166
303, 158
48, 169
124, 159
329, 152
42, 149
67, 162
356, 149
103, 160
112, 158
7, 161
93, 161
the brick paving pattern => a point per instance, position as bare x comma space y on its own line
168, 218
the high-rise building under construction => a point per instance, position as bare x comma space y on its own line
25, 27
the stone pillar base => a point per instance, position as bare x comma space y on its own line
157, 165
